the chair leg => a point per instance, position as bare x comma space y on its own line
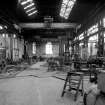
69, 83
82, 87
64, 86
75, 96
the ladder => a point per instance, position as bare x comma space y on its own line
74, 81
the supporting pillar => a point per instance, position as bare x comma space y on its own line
11, 46
67, 45
86, 49
61, 46
100, 51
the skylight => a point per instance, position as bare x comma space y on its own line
29, 7
66, 8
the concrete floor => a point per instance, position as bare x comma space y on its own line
34, 86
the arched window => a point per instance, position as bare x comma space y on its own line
34, 48
49, 48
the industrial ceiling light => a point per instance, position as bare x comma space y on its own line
28, 6
32, 13
25, 2
66, 8
30, 9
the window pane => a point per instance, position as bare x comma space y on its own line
71, 3
61, 14
63, 10
65, 1
66, 14
66, 17
104, 22
34, 48
93, 38
68, 10
63, 6
49, 48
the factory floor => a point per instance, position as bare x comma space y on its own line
36, 86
